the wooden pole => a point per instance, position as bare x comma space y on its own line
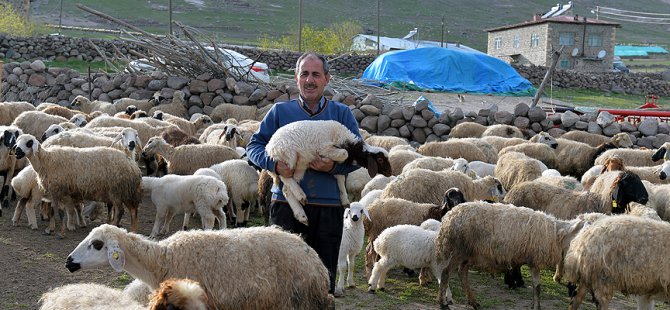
90, 87
170, 4
2, 70
379, 43
442, 39
554, 60
60, 19
118, 21
300, 26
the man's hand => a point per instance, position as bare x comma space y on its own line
283, 170
322, 164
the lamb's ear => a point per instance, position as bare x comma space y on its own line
32, 143
372, 165
367, 215
115, 255
659, 154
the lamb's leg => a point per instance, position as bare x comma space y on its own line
18, 212
79, 209
379, 272
645, 303
436, 268
166, 224
535, 273
603, 296
161, 215
71, 215
424, 277
221, 217
336, 154
341, 265
344, 197
51, 213
292, 188
350, 276
30, 211
134, 221
293, 201
231, 211
370, 257
187, 218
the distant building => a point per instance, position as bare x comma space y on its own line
364, 42
633, 51
589, 43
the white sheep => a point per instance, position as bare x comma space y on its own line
247, 268
355, 182
566, 182
377, 183
630, 157
620, 140
145, 130
482, 169
89, 107
140, 104
225, 111
502, 130
177, 194
514, 167
242, 182
386, 142
176, 107
36, 122
351, 244
500, 143
11, 110
30, 196
453, 149
400, 157
461, 165
186, 159
299, 143
430, 163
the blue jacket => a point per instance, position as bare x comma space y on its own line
320, 187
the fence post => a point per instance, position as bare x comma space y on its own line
2, 71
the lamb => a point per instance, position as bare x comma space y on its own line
106, 175
386, 142
242, 181
79, 120
186, 159
197, 255
36, 122
467, 130
482, 169
88, 106
514, 167
495, 236
30, 196
351, 244
65, 112
425, 186
355, 182
144, 104
539, 151
176, 137
9, 111
500, 143
461, 165
399, 158
618, 249
502, 130
453, 149
378, 182
145, 131
621, 140
543, 137
225, 111
555, 200
192, 128
176, 107
175, 194
430, 163
172, 294
299, 143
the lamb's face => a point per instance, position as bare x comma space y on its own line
25, 146
79, 120
356, 212
52, 131
131, 109
205, 120
78, 100
97, 250
158, 115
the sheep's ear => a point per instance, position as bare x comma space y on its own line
115, 256
32, 143
367, 215
117, 138
659, 154
572, 232
372, 165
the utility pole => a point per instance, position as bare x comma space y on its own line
170, 8
442, 39
379, 47
554, 60
60, 19
300, 27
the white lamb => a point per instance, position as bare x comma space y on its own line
176, 194
351, 244
299, 143
242, 182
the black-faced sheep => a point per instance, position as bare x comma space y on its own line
176, 107
619, 188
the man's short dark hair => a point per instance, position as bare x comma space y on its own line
326, 67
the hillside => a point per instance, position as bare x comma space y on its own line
243, 21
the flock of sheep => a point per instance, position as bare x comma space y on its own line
589, 207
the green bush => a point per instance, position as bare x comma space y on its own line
13, 23
335, 39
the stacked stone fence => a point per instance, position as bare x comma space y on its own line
34, 82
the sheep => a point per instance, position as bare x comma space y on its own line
299, 143
242, 181
409, 246
176, 107
482, 169
176, 137
30, 196
399, 158
489, 151
175, 194
378, 182
79, 120
566, 182
514, 167
172, 294
616, 254
652, 174
145, 131
399, 147
355, 181
105, 175
186, 159
621, 140
388, 212
560, 202
9, 111
231, 265
500, 143
502, 130
430, 163
386, 142
140, 104
225, 111
461, 165
36, 122
543, 137
539, 151
467, 130
64, 112
265, 183
214, 134
88, 106
8, 164
453, 149
631, 157
618, 189
425, 186
351, 244
494, 237
192, 128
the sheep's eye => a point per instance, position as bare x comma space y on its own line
97, 244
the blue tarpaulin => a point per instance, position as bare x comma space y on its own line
448, 70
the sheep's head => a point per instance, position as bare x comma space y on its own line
622, 140
373, 158
52, 131
662, 153
180, 294
664, 171
152, 145
129, 137
496, 189
203, 122
79, 120
138, 114
356, 211
158, 114
26, 145
156, 98
79, 100
99, 248
452, 198
10, 135
130, 109
626, 188
461, 165
613, 163
545, 138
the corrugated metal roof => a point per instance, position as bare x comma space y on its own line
631, 50
557, 19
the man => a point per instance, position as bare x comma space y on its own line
324, 210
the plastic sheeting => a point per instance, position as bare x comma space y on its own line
448, 70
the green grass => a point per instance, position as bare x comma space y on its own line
598, 98
80, 65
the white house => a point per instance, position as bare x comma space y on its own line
363, 42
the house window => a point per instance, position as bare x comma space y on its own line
595, 40
567, 38
565, 64
498, 43
534, 40
516, 40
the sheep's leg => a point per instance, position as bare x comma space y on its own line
79, 210
166, 222
436, 270
465, 284
293, 188
161, 214
535, 273
18, 212
341, 265
230, 207
71, 215
221, 217
336, 154
134, 221
645, 303
350, 276
30, 211
445, 292
578, 298
370, 257
603, 296
424, 277
344, 197
379, 272
187, 218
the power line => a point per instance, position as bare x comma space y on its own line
633, 12
633, 16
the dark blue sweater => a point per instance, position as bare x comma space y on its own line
320, 187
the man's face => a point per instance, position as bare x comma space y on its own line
311, 79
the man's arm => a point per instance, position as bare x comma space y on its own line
256, 147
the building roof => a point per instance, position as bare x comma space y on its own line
566, 19
404, 44
630, 50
